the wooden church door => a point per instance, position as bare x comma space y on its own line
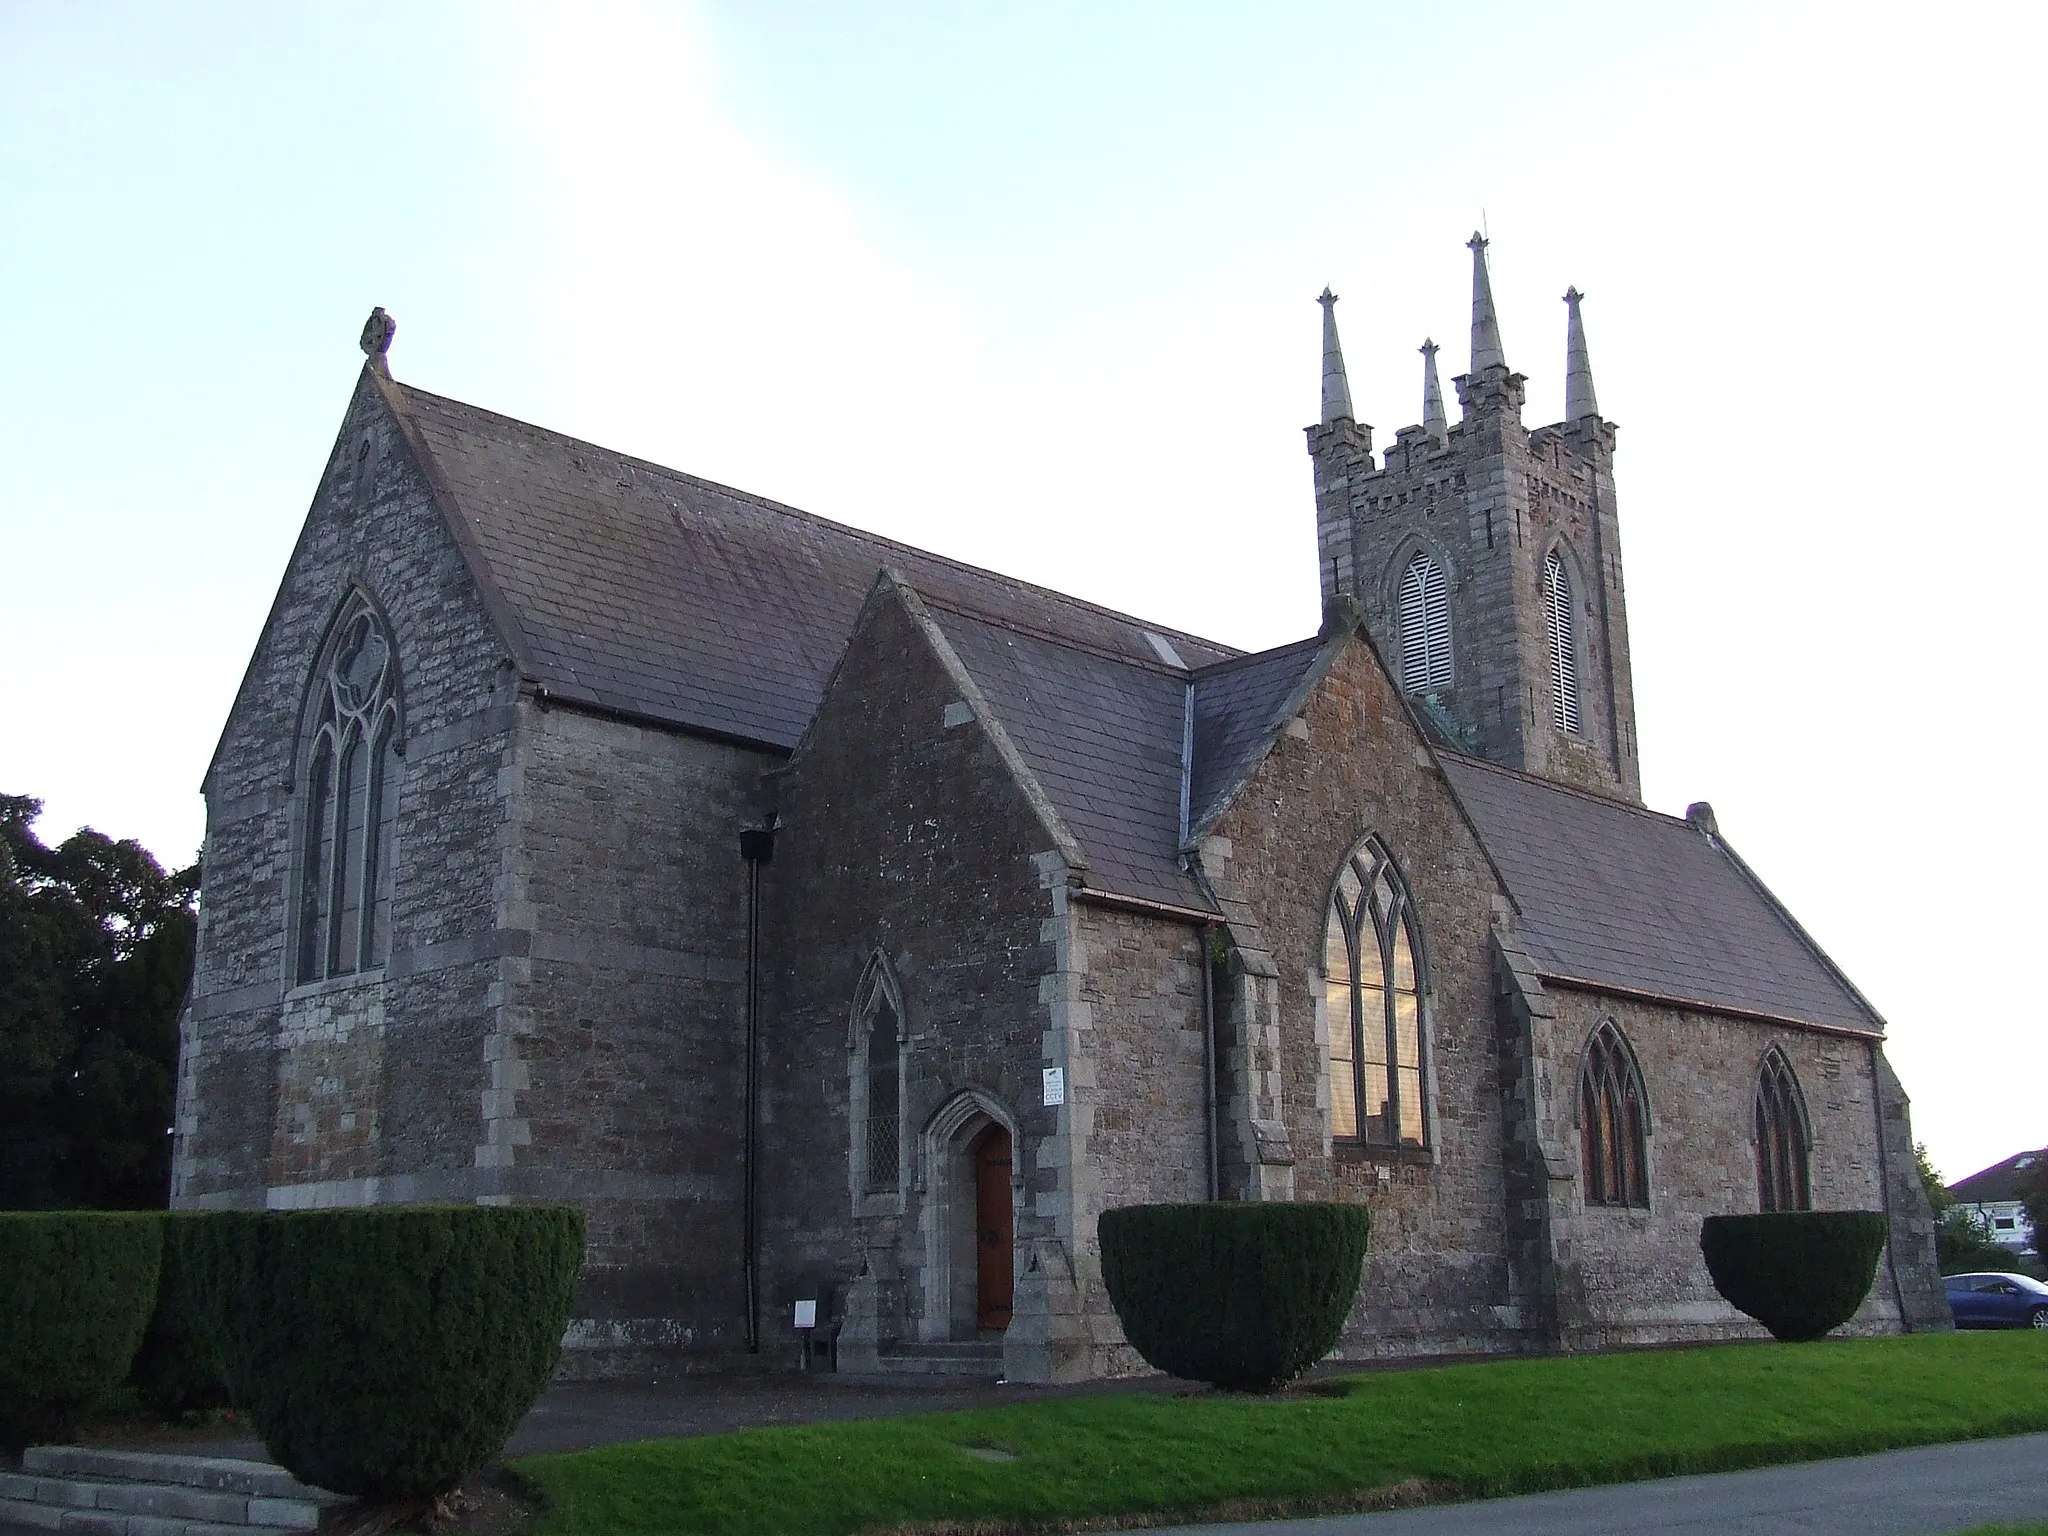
995, 1228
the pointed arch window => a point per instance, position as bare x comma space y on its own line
878, 1077
1614, 1122
1375, 995
353, 736
1564, 653
1782, 1143
1424, 624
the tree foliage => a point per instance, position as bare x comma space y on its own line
96, 945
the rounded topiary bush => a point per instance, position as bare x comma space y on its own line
176, 1370
1799, 1273
386, 1352
76, 1292
1247, 1296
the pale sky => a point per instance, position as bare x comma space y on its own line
1033, 286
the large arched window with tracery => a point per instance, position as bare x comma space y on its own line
1564, 652
1375, 992
350, 798
1424, 625
1782, 1182
1614, 1122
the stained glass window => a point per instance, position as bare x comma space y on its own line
350, 799
1613, 1122
1374, 993
1781, 1144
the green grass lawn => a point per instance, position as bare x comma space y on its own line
1452, 1432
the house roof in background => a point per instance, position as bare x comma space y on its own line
2014, 1179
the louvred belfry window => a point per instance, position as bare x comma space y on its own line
350, 807
1781, 1164
1613, 1123
1425, 626
1564, 655
1374, 993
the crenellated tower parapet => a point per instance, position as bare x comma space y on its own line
1486, 557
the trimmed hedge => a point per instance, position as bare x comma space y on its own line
1246, 1296
176, 1370
1799, 1273
385, 1352
76, 1291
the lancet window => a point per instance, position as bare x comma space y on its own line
1375, 994
878, 1068
350, 799
1564, 653
1424, 623
1781, 1141
1613, 1122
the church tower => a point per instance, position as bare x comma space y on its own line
1487, 556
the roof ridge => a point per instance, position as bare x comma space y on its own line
1613, 802
1249, 658
962, 610
782, 508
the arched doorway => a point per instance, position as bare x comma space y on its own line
968, 1213
995, 1224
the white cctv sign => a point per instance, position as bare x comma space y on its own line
807, 1314
1055, 1085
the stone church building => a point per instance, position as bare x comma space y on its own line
834, 921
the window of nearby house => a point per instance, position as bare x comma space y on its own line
1564, 655
1375, 991
1613, 1122
1781, 1138
1424, 623
349, 798
878, 1083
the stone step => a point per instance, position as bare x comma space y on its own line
18, 1515
965, 1359
154, 1493
222, 1474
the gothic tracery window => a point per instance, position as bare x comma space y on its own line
1424, 625
1781, 1142
1564, 654
1374, 993
350, 799
1613, 1122
878, 1022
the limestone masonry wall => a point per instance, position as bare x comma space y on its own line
616, 1061
1353, 766
905, 840
336, 1092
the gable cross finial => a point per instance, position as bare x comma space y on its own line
376, 340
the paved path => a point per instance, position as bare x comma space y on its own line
1926, 1491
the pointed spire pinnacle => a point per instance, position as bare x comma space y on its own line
1336, 389
1579, 401
1432, 396
1486, 352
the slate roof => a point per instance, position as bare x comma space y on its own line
1238, 707
1102, 735
1614, 895
2014, 1179
633, 588
652, 593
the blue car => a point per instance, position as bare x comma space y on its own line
1997, 1301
